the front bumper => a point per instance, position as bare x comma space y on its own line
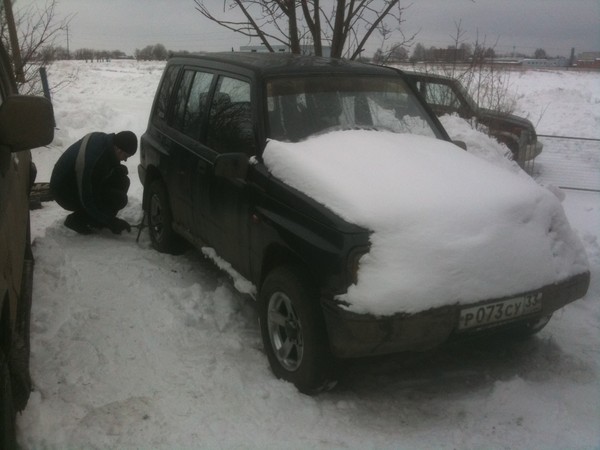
356, 335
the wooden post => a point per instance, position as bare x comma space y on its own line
45, 85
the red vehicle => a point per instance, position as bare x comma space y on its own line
447, 95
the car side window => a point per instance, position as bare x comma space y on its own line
162, 101
442, 95
191, 102
230, 127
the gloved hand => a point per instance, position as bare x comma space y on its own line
121, 169
118, 225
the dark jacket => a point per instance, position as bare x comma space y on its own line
79, 183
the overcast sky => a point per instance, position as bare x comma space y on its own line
522, 25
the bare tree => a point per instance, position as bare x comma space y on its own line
489, 86
37, 28
540, 53
156, 52
346, 25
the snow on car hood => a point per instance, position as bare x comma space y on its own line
447, 226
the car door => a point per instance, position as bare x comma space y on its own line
188, 155
222, 204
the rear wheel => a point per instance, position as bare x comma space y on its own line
8, 438
160, 218
293, 331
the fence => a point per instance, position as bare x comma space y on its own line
568, 162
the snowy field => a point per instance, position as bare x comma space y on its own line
136, 349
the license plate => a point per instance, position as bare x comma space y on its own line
494, 313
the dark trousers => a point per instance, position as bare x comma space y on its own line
109, 194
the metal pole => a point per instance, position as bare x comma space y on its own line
569, 137
45, 85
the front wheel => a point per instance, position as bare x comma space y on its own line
7, 407
160, 218
293, 331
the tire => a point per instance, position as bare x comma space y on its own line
21, 379
21, 343
160, 218
293, 331
8, 439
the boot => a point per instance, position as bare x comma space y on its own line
78, 223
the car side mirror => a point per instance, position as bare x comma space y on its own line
26, 122
460, 144
231, 165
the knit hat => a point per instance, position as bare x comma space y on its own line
126, 141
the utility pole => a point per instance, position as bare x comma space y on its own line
68, 52
14, 42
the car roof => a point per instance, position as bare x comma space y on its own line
270, 64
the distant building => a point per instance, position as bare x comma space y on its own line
263, 49
450, 54
588, 59
556, 62
509, 60
306, 49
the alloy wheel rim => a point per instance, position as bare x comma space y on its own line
285, 331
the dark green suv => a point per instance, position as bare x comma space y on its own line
25, 122
332, 189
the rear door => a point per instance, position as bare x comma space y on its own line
190, 157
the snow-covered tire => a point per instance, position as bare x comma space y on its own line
7, 408
293, 331
160, 218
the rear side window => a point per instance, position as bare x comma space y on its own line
192, 103
162, 101
230, 120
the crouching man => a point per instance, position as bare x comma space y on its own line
90, 180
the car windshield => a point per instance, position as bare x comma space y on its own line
304, 106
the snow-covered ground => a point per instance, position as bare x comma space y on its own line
136, 349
